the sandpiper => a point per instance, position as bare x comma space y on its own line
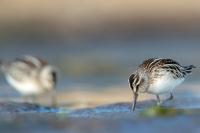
29, 75
158, 76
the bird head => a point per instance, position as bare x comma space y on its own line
134, 84
48, 77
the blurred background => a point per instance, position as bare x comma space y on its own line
97, 44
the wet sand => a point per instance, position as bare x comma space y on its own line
114, 118
104, 111
91, 97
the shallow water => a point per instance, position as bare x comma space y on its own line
113, 118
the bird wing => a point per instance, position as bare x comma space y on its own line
19, 70
33, 61
173, 67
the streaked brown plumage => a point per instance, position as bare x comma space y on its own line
158, 76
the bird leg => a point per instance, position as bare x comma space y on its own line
26, 99
159, 102
34, 99
170, 98
53, 99
29, 99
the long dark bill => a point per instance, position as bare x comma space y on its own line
135, 96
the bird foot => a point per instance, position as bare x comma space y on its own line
170, 98
159, 103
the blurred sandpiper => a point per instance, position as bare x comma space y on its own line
29, 75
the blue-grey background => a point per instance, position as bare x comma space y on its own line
104, 63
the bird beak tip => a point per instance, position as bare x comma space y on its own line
134, 101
